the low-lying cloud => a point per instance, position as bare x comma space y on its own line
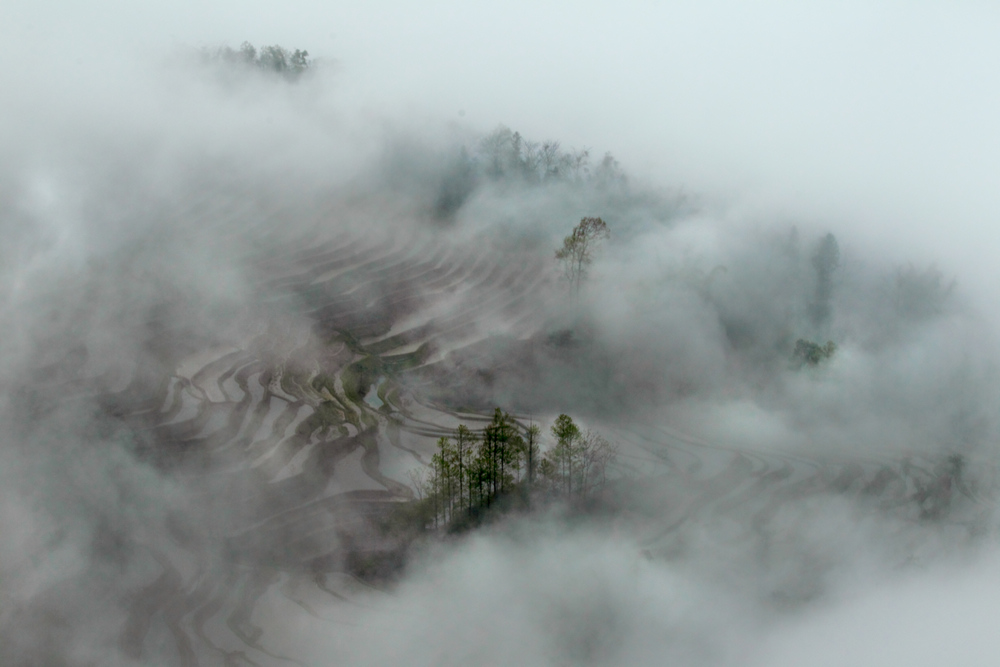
186, 253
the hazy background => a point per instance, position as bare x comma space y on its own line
877, 115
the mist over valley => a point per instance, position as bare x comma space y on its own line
298, 370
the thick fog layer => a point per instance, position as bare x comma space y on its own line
240, 307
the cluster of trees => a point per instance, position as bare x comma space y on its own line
505, 154
808, 352
276, 59
474, 469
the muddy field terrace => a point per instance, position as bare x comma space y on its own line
321, 439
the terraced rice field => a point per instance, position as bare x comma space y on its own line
311, 443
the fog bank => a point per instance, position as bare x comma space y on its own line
240, 309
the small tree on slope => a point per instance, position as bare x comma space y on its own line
578, 249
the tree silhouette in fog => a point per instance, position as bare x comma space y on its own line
577, 252
273, 59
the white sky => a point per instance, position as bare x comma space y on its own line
877, 117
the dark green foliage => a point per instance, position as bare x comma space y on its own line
474, 476
273, 59
808, 352
564, 430
470, 472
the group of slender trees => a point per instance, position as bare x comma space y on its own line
578, 463
472, 470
